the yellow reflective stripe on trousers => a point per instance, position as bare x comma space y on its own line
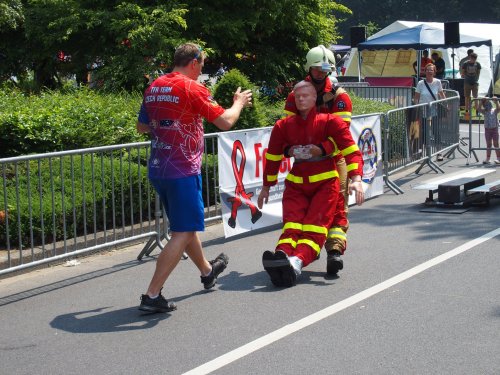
291, 225
288, 241
312, 244
273, 157
314, 229
350, 150
352, 167
323, 176
337, 232
272, 177
293, 178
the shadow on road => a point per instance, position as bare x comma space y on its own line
99, 320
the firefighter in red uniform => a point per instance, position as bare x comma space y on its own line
311, 187
320, 61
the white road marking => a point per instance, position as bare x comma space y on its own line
287, 330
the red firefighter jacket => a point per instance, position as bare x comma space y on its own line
324, 129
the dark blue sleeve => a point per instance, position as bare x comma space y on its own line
143, 115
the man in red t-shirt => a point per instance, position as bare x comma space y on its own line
423, 63
172, 113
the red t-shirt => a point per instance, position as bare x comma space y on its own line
174, 107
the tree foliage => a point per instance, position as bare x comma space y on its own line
267, 40
122, 41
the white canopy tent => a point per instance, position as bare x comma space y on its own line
393, 63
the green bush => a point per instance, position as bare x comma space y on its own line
223, 92
56, 121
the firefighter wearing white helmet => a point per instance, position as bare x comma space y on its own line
320, 57
320, 61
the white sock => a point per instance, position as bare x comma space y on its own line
208, 274
155, 297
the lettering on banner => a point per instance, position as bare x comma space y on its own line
260, 160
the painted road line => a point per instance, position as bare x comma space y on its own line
287, 330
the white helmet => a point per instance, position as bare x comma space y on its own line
320, 56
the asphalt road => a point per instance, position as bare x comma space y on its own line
419, 294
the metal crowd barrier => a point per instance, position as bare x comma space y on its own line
396, 96
62, 204
418, 133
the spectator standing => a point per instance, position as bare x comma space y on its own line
470, 71
423, 63
428, 90
466, 58
172, 111
490, 126
439, 64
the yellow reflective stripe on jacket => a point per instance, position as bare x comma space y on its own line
337, 232
350, 150
352, 167
288, 241
273, 157
291, 225
314, 229
288, 113
346, 116
272, 177
312, 244
293, 178
323, 176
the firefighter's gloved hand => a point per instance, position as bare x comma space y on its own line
302, 152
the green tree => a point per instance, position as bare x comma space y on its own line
266, 40
122, 39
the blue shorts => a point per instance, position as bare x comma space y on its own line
183, 202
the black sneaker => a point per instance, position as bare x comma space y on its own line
156, 305
218, 265
333, 262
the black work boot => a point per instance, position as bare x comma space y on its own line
333, 262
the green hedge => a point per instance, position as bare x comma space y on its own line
56, 121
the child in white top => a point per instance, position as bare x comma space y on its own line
490, 114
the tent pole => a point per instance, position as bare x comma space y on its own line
359, 65
453, 62
492, 72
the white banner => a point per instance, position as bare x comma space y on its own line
366, 132
241, 158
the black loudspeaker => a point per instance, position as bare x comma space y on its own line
358, 35
452, 33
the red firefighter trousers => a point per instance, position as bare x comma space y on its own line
308, 212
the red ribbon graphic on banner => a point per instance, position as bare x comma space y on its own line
240, 195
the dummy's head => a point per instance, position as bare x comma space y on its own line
305, 96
